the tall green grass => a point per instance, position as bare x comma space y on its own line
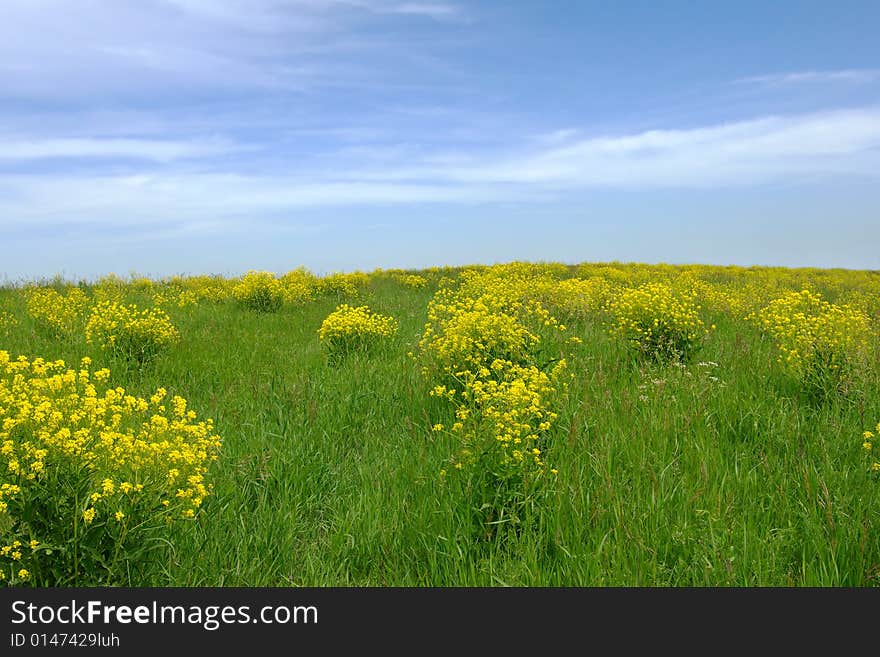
668, 475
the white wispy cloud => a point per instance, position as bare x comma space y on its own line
146, 149
754, 151
435, 10
164, 198
271, 14
557, 136
265, 16
855, 75
131, 48
758, 150
763, 150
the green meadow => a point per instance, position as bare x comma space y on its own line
718, 469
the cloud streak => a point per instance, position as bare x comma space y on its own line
760, 151
858, 75
271, 14
134, 50
190, 197
746, 152
438, 11
142, 149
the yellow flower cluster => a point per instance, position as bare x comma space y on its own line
126, 331
7, 322
470, 335
213, 289
739, 291
77, 455
342, 285
259, 290
483, 340
489, 317
299, 286
175, 296
575, 297
734, 301
60, 314
412, 281
814, 337
349, 329
142, 283
12, 555
174, 292
657, 320
836, 281
264, 291
110, 288
868, 438
865, 301
735, 290
502, 417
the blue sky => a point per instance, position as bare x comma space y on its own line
216, 136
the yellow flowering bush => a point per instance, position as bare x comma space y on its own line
616, 275
712, 296
471, 335
351, 328
142, 283
867, 302
489, 317
657, 320
213, 289
490, 345
130, 333
260, 291
91, 477
59, 314
299, 286
109, 288
738, 299
502, 417
576, 297
341, 284
174, 296
818, 342
412, 281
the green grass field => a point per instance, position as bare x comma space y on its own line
719, 471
